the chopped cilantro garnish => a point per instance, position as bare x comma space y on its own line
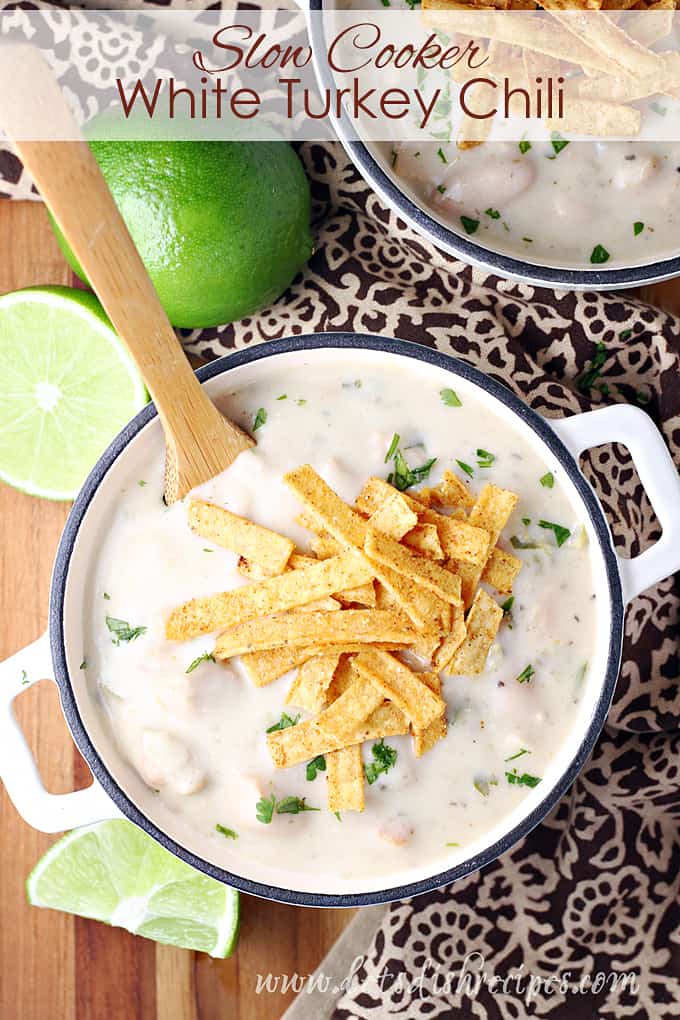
122, 630
394, 446
522, 750
141, 483
83, 664
441, 189
393, 158
560, 532
590, 376
465, 467
107, 596
524, 146
205, 549
293, 806
517, 543
493, 213
403, 476
526, 521
526, 675
451, 844
638, 227
384, 758
598, 255
260, 419
469, 225
317, 764
625, 334
229, 833
547, 480
484, 458
284, 722
450, 398
658, 108
524, 780
642, 397
338, 815
204, 657
284, 396
412, 4
300, 402
558, 142
440, 153
24, 677
264, 809
507, 605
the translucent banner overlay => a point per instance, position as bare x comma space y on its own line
437, 74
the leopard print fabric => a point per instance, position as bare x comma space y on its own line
595, 887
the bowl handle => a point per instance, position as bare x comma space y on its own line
47, 812
630, 426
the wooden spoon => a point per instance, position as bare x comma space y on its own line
200, 442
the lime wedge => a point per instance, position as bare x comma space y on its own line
114, 872
67, 387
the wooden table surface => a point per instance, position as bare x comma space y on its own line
54, 966
64, 968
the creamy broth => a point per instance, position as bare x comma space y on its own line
198, 738
553, 207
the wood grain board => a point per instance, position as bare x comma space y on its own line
54, 966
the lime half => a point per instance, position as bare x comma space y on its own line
67, 387
114, 872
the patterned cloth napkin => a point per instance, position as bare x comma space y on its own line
594, 889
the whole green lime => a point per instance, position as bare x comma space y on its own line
222, 227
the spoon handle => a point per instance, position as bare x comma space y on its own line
69, 179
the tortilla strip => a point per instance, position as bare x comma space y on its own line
258, 545
363, 595
374, 493
540, 33
345, 779
482, 625
338, 519
401, 685
597, 118
394, 517
424, 740
300, 560
463, 541
323, 547
309, 688
265, 667
386, 721
297, 744
610, 41
424, 572
327, 605
451, 491
408, 596
491, 512
501, 570
451, 642
273, 595
341, 718
424, 539
355, 626
629, 90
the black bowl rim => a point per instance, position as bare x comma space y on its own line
454, 244
539, 426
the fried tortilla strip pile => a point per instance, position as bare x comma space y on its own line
391, 574
606, 60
